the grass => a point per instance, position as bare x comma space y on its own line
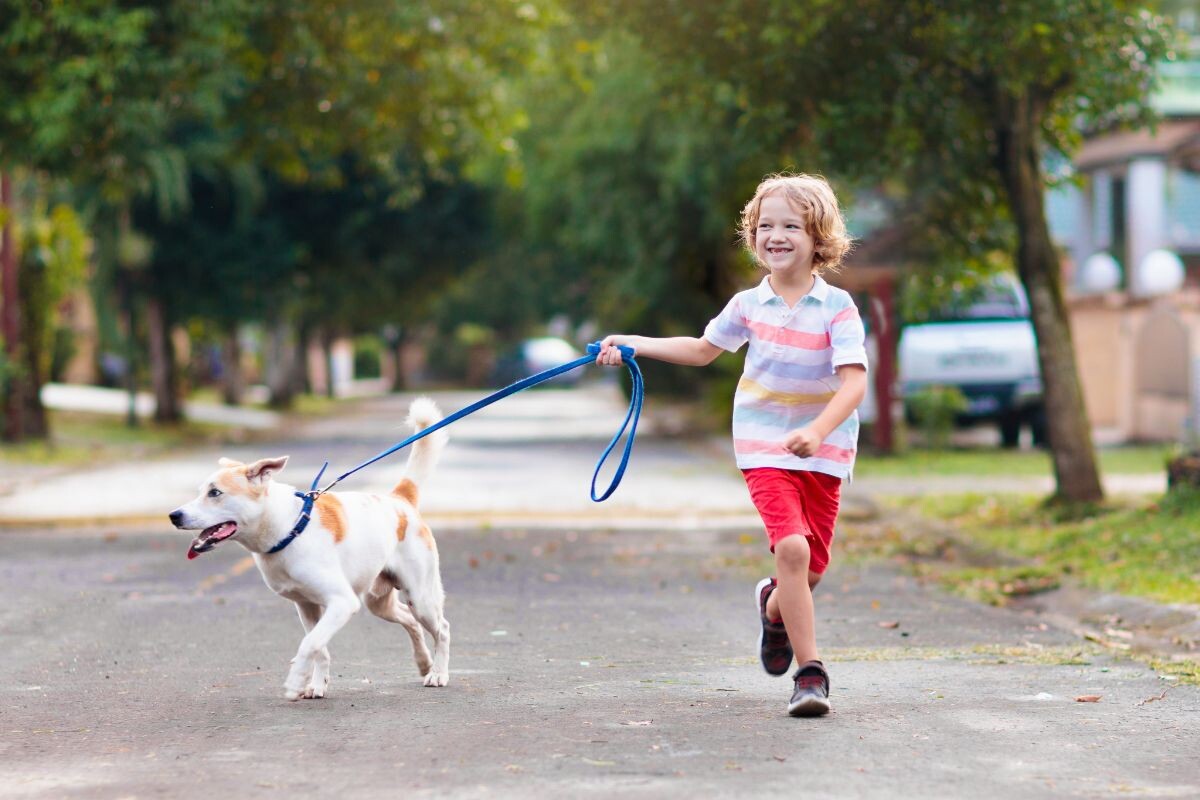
78, 439
1145, 549
1143, 459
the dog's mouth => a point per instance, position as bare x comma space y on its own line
211, 537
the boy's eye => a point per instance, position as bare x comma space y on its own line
214, 492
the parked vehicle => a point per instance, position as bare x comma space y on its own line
984, 345
537, 355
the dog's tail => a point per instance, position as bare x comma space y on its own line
424, 454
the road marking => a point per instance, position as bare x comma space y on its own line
237, 569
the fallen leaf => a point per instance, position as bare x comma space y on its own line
1155, 697
890, 624
640, 722
1088, 698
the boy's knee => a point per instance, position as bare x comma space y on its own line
792, 554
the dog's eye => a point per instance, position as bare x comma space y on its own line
214, 492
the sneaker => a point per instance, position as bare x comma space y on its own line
811, 698
774, 649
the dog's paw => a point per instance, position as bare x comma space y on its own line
316, 689
435, 678
291, 695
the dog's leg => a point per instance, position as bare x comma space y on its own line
386, 605
427, 606
338, 611
310, 614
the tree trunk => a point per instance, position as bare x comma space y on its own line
281, 365
231, 364
1067, 423
327, 352
167, 405
33, 324
10, 320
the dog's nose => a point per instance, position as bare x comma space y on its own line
176, 517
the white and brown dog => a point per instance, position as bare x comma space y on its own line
358, 548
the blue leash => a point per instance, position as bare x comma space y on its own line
636, 398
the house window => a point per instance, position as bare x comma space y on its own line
1118, 229
1183, 210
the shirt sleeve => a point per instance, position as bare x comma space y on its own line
730, 329
847, 336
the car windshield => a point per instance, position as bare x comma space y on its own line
998, 300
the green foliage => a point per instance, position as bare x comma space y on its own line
368, 357
53, 248
935, 409
1146, 549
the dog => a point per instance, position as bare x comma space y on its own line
357, 549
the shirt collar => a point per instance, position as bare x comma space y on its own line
819, 291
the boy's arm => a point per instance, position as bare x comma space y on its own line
805, 441
687, 350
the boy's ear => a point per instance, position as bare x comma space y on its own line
262, 471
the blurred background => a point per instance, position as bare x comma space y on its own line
261, 202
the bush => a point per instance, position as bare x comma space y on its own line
934, 409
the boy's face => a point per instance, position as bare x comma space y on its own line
781, 240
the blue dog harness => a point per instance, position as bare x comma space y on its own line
636, 397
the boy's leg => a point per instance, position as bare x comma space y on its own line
773, 612
792, 598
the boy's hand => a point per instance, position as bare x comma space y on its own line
803, 442
609, 355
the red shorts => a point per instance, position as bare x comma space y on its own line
793, 501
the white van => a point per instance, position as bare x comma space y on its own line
985, 346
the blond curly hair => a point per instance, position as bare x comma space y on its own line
813, 197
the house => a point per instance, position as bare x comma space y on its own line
1131, 234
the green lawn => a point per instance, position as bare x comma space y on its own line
998, 461
1147, 549
79, 438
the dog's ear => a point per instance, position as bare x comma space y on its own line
225, 463
261, 471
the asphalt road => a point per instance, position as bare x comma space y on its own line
584, 663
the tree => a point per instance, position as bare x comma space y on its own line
959, 102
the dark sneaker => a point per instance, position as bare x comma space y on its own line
774, 649
811, 698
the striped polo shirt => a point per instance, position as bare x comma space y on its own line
789, 375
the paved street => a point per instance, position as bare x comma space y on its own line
597, 650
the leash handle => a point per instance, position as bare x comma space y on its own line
593, 350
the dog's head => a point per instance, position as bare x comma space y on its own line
232, 499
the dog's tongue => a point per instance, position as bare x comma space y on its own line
209, 538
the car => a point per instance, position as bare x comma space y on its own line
983, 344
535, 355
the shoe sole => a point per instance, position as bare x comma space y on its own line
757, 594
810, 707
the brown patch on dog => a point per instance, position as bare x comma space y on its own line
232, 480
406, 490
333, 516
427, 537
402, 527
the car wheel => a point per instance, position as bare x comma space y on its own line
1010, 430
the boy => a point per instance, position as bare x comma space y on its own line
795, 424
